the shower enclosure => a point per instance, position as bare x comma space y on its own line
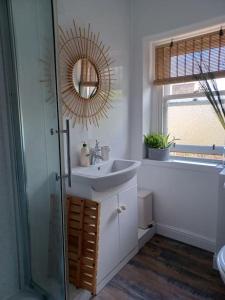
32, 243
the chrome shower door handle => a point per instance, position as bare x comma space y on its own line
68, 151
67, 132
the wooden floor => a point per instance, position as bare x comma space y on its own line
166, 269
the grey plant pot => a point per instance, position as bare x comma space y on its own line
158, 154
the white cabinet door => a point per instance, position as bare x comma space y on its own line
108, 237
128, 221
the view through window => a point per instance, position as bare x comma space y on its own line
189, 117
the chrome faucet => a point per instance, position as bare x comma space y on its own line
95, 154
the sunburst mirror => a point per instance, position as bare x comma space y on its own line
86, 75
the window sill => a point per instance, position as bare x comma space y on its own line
184, 164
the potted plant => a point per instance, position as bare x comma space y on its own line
158, 145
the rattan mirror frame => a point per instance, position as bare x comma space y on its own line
78, 43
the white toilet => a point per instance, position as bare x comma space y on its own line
221, 263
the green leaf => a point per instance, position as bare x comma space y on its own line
158, 141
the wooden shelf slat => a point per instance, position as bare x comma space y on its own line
83, 235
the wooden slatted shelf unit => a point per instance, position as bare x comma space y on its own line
83, 235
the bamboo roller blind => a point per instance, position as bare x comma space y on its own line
179, 61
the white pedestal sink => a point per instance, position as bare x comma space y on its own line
106, 175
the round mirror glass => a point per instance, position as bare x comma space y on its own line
85, 78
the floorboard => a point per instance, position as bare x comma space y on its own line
166, 269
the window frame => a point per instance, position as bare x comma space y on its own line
176, 147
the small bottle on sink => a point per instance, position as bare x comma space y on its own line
84, 156
105, 152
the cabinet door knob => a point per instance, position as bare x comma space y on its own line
119, 210
123, 207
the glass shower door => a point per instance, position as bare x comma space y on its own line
35, 59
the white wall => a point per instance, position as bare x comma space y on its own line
185, 202
112, 20
220, 236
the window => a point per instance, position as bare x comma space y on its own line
186, 113
188, 116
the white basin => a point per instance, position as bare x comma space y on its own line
106, 175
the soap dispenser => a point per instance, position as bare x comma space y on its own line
84, 156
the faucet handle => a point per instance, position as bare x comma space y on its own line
96, 144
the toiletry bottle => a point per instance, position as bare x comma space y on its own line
105, 152
84, 156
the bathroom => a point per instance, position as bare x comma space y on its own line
35, 157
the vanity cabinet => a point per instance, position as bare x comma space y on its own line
114, 231
109, 250
118, 235
128, 227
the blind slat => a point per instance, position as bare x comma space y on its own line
180, 60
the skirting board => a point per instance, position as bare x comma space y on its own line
101, 285
186, 237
